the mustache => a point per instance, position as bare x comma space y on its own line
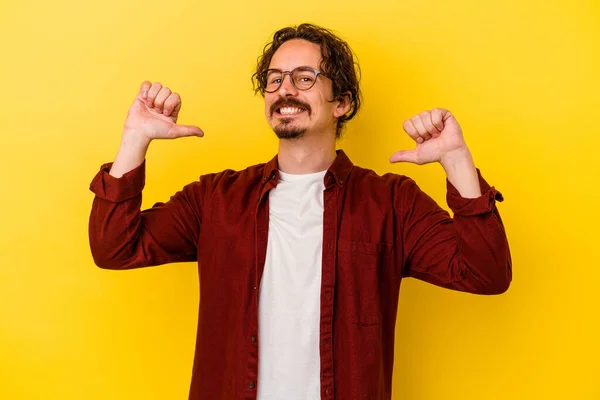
282, 102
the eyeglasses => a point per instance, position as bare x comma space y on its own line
303, 78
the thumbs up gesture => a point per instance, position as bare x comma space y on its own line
436, 134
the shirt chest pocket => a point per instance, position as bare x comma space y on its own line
360, 274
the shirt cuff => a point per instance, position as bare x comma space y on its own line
116, 190
484, 204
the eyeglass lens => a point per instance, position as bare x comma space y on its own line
303, 78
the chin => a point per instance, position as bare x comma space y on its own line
286, 130
289, 133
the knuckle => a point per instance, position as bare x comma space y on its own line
156, 87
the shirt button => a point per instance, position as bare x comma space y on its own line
251, 385
273, 177
328, 391
257, 198
254, 338
328, 295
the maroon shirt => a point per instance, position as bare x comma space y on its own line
376, 231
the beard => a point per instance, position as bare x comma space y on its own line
285, 130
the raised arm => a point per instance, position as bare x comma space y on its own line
470, 251
121, 235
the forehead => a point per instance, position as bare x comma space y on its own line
294, 53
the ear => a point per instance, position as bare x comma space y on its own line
342, 104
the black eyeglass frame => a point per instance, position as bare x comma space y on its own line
290, 73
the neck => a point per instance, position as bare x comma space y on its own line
306, 155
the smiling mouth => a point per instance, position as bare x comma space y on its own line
289, 111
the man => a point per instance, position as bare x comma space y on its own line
300, 259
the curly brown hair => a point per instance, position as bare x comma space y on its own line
337, 64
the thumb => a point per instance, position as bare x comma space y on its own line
405, 156
185, 130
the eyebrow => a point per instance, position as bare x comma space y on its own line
299, 66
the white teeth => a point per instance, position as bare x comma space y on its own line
289, 110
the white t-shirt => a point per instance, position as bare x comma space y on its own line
290, 288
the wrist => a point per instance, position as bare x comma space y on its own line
461, 172
131, 153
457, 158
134, 141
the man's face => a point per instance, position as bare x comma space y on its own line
292, 113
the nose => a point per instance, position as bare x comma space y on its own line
287, 88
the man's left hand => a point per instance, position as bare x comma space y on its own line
437, 135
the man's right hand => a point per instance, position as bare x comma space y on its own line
154, 113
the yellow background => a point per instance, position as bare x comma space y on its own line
522, 78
